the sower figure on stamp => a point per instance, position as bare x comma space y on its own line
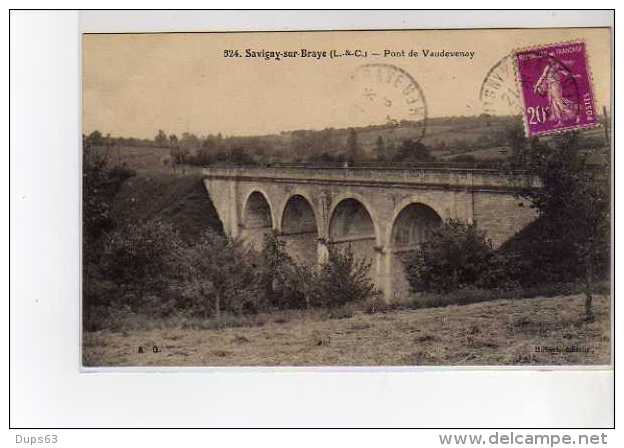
550, 83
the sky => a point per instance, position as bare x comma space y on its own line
135, 84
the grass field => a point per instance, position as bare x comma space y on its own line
500, 332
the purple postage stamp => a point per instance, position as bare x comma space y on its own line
556, 88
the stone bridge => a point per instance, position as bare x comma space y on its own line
383, 213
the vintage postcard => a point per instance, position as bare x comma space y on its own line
347, 198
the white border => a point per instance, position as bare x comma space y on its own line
154, 21
47, 389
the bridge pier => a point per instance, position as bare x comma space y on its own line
383, 268
234, 222
391, 278
254, 235
322, 251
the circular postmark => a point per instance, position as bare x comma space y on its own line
536, 85
384, 94
499, 93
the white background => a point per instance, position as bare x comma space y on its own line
47, 387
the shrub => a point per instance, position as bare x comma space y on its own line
574, 204
303, 281
412, 151
139, 258
457, 255
286, 284
100, 184
340, 280
215, 275
282, 281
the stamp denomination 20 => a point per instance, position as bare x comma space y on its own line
556, 88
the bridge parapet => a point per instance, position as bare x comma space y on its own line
446, 178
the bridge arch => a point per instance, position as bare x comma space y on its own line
257, 211
298, 215
406, 209
257, 218
351, 224
299, 228
358, 206
412, 225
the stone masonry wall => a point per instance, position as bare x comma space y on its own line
501, 215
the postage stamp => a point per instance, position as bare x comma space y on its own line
555, 86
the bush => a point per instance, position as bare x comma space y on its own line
457, 255
412, 151
100, 184
112, 318
340, 280
282, 281
139, 259
286, 284
216, 274
574, 204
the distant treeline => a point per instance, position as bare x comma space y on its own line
452, 138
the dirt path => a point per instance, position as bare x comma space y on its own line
502, 332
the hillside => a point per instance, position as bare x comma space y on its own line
465, 141
179, 199
444, 136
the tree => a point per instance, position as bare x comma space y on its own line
173, 141
189, 142
340, 280
391, 150
573, 204
353, 147
178, 155
412, 151
139, 259
100, 183
279, 275
514, 137
161, 138
217, 274
209, 144
456, 255
95, 138
380, 148
238, 156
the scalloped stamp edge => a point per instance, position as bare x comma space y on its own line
590, 84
